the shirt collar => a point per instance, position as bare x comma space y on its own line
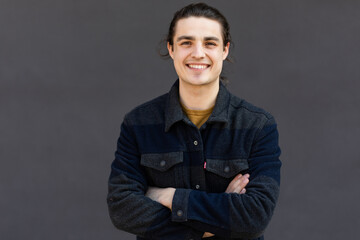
174, 113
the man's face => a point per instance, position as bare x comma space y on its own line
198, 50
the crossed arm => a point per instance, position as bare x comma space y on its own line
132, 209
165, 196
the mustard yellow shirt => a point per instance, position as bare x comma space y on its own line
197, 117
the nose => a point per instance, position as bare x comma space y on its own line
198, 51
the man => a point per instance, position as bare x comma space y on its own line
196, 162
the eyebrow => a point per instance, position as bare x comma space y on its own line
193, 38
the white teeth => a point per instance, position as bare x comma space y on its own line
198, 66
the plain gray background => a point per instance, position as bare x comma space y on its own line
70, 70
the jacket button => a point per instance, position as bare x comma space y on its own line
195, 143
180, 213
227, 169
162, 163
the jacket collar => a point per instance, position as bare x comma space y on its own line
174, 112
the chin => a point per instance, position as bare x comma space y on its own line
198, 82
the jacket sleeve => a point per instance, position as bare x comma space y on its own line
237, 215
129, 209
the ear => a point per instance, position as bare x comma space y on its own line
226, 51
171, 50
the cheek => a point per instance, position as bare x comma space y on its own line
179, 61
182, 55
217, 57
218, 64
218, 61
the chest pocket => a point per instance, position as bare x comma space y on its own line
163, 169
220, 172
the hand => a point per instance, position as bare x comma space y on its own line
238, 184
163, 196
207, 234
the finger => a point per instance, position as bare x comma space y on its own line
237, 190
237, 187
238, 183
239, 176
244, 181
232, 185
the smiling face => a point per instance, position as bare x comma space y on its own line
198, 51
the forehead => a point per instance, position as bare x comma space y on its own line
198, 26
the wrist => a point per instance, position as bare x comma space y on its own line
168, 197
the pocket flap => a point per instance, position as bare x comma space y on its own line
226, 168
161, 161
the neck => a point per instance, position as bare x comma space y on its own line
198, 97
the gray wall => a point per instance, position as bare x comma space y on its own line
70, 70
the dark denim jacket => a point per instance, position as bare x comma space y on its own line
159, 146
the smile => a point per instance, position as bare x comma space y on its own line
198, 66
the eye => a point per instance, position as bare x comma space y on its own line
185, 43
210, 44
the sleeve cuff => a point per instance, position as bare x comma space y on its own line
180, 205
